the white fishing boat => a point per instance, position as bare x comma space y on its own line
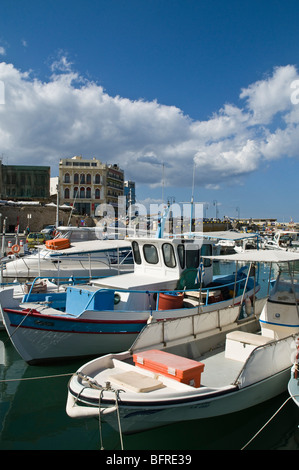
233, 242
78, 252
173, 372
286, 240
171, 279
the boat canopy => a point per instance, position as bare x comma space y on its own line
260, 256
227, 235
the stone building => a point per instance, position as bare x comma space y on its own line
24, 182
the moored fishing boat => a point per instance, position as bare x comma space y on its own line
170, 280
78, 252
195, 377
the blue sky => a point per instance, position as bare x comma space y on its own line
152, 84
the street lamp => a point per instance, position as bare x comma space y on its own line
215, 204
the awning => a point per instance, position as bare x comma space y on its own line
261, 256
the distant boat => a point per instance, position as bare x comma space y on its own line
286, 240
173, 373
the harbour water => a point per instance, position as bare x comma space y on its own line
33, 417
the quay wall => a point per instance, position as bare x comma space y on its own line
39, 216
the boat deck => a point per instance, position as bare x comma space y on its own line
219, 372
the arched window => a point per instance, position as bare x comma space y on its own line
97, 194
66, 193
67, 178
88, 178
97, 178
82, 193
88, 193
82, 178
76, 193
76, 178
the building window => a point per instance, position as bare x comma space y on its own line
82, 178
97, 194
66, 193
82, 193
88, 178
76, 190
88, 193
76, 178
97, 179
67, 178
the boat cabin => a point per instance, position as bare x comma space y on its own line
286, 238
161, 263
280, 316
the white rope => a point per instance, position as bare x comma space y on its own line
36, 378
263, 427
118, 418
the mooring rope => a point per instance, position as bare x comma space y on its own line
269, 420
36, 378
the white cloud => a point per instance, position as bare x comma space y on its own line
2, 50
42, 122
268, 97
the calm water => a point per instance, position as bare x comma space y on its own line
33, 417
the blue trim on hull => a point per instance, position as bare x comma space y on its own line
37, 322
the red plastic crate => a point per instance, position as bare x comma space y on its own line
175, 367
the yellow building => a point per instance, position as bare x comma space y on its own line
87, 183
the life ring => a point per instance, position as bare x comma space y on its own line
15, 248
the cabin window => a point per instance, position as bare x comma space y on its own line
168, 255
192, 256
150, 254
181, 255
283, 290
136, 253
206, 250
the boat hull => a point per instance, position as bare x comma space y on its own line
293, 388
140, 417
40, 339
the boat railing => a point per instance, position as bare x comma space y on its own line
90, 259
280, 355
235, 289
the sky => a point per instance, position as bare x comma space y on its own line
174, 91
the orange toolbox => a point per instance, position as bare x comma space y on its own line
175, 367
